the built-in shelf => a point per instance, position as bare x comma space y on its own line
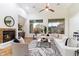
21, 34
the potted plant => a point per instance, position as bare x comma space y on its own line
45, 29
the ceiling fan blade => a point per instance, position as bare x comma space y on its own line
42, 10
51, 10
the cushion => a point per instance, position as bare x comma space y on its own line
66, 42
22, 40
44, 40
72, 42
47, 34
16, 40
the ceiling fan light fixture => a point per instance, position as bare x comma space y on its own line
46, 9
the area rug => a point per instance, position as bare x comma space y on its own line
34, 50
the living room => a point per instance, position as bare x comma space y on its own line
24, 27
37, 16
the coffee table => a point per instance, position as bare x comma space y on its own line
42, 43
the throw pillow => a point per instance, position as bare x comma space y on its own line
16, 40
66, 42
22, 40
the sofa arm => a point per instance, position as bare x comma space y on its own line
70, 51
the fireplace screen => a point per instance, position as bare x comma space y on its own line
8, 35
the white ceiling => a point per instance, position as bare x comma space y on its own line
36, 7
33, 9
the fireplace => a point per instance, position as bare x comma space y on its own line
7, 35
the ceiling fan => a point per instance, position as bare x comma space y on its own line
47, 8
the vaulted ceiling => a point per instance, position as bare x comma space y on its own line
36, 7
32, 9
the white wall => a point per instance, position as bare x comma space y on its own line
21, 12
22, 18
7, 9
71, 16
45, 16
73, 19
21, 21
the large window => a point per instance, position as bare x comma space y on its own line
35, 25
56, 26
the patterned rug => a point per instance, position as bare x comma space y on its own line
34, 50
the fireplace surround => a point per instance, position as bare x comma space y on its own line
7, 34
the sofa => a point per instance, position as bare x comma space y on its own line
63, 49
